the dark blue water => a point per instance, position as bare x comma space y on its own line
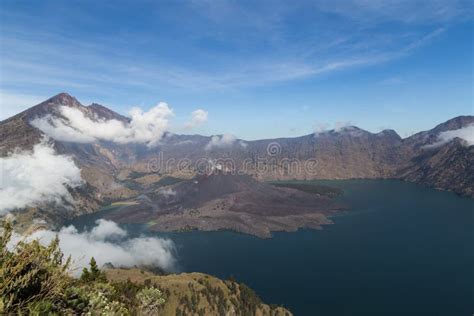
401, 250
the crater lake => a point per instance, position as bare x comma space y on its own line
400, 249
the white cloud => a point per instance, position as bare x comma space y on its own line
144, 127
106, 229
198, 118
339, 126
107, 242
29, 178
466, 133
60, 130
320, 128
221, 141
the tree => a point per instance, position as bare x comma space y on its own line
93, 274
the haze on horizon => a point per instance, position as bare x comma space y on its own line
254, 70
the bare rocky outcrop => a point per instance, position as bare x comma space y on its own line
228, 202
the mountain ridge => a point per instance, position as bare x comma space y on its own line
66, 99
346, 153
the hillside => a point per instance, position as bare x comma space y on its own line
447, 166
200, 294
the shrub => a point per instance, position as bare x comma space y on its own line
40, 308
150, 300
32, 273
76, 299
100, 305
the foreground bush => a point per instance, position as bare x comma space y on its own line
32, 277
35, 280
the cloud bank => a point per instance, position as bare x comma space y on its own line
221, 141
466, 133
29, 178
198, 118
108, 243
75, 126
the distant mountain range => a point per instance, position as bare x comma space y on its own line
113, 170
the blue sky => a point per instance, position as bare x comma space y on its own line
261, 69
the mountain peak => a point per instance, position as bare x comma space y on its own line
455, 123
63, 98
48, 106
51, 105
350, 130
389, 133
431, 136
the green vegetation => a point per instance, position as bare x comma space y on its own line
93, 274
35, 280
310, 188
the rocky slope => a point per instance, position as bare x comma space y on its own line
447, 166
227, 202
